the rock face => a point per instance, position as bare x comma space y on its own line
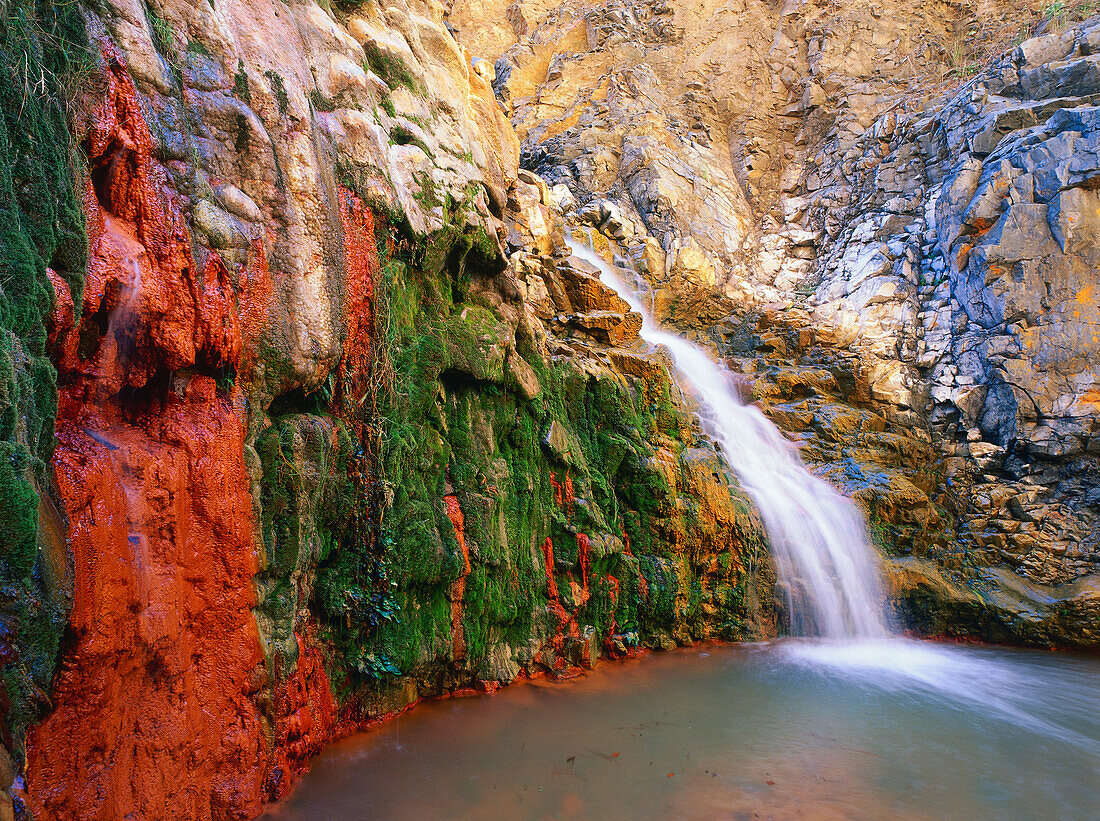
971, 258
163, 653
911, 293
696, 120
318, 417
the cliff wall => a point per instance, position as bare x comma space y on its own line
822, 194
302, 451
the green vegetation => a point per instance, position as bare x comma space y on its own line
163, 38
1065, 13
391, 68
320, 102
41, 224
240, 84
278, 88
962, 61
451, 422
357, 478
427, 194
879, 531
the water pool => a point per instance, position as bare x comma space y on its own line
796, 729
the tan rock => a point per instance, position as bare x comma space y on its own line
587, 293
608, 326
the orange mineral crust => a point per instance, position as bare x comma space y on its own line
156, 713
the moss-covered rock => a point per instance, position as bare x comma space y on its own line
521, 527
41, 226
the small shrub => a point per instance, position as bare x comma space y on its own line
278, 88
390, 68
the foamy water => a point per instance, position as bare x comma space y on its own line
818, 537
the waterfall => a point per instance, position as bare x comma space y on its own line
818, 537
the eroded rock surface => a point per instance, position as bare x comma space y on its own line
905, 276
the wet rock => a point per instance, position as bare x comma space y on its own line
609, 327
587, 293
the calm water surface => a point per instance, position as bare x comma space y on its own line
868, 730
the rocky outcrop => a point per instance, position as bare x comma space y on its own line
967, 272
904, 276
695, 120
338, 424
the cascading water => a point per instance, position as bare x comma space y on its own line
822, 553
852, 723
818, 537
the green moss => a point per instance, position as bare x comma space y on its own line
19, 520
390, 68
320, 102
240, 84
43, 48
659, 598
880, 532
732, 621
420, 634
504, 491
278, 88
432, 413
382, 573
450, 423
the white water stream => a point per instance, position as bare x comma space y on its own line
849, 722
817, 536
820, 545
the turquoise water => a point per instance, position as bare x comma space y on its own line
889, 729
